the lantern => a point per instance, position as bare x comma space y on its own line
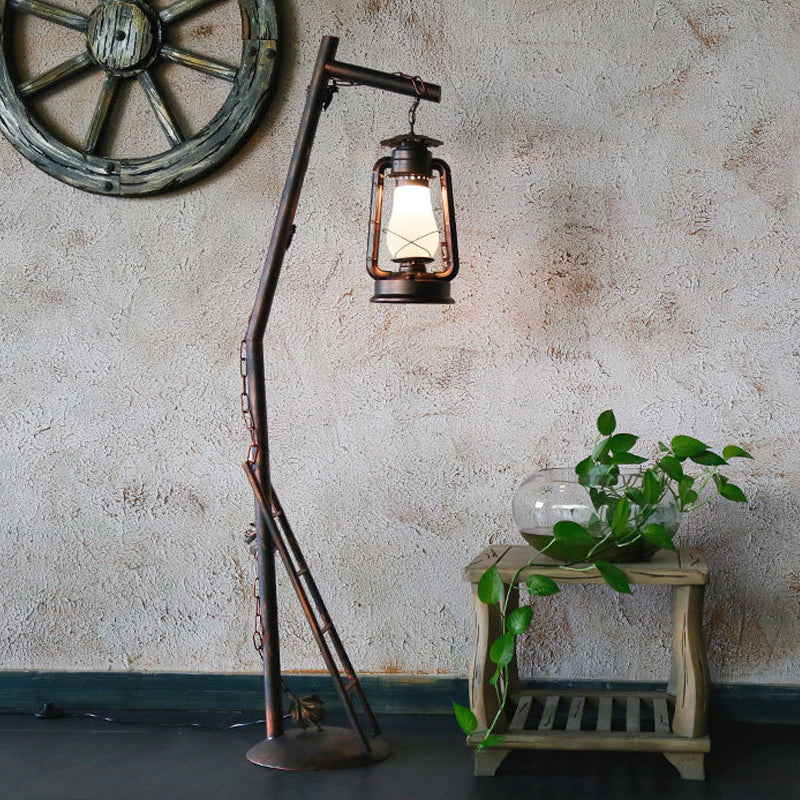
413, 237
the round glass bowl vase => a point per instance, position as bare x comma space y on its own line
551, 495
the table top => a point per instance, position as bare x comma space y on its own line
684, 567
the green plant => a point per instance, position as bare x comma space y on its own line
625, 503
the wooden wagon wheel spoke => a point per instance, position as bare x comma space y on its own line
61, 16
181, 9
61, 72
197, 62
126, 40
102, 112
159, 106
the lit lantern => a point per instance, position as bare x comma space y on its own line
413, 237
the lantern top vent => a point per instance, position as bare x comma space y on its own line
410, 139
411, 159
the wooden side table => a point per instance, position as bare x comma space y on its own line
673, 723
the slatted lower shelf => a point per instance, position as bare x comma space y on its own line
597, 721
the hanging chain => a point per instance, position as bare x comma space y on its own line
421, 90
252, 457
247, 409
258, 626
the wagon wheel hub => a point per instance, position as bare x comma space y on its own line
123, 37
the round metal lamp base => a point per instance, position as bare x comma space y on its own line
312, 749
412, 290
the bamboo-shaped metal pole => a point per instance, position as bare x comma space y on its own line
326, 70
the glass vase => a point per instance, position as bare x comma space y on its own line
552, 495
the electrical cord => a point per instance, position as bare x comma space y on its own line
114, 720
51, 711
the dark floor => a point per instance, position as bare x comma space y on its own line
83, 759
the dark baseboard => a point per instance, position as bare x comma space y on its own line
388, 694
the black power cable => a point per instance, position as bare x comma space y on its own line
51, 711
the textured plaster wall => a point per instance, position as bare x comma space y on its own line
626, 178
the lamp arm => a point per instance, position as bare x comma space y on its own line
326, 71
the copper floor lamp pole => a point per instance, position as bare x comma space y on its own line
330, 747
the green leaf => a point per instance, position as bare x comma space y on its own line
492, 740
584, 466
613, 576
496, 677
601, 449
651, 486
627, 458
503, 649
541, 585
687, 446
467, 721
572, 533
519, 620
732, 451
490, 587
606, 423
663, 448
599, 498
622, 442
709, 459
599, 475
671, 467
686, 494
657, 535
620, 519
732, 492
636, 496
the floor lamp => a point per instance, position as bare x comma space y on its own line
413, 239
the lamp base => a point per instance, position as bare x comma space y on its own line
412, 290
312, 749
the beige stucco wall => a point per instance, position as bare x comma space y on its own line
626, 177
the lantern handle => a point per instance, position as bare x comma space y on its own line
382, 166
450, 243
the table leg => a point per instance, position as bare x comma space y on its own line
689, 765
673, 672
689, 680
483, 698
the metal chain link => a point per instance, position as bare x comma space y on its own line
247, 409
420, 90
252, 458
258, 627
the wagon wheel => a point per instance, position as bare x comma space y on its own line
126, 39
